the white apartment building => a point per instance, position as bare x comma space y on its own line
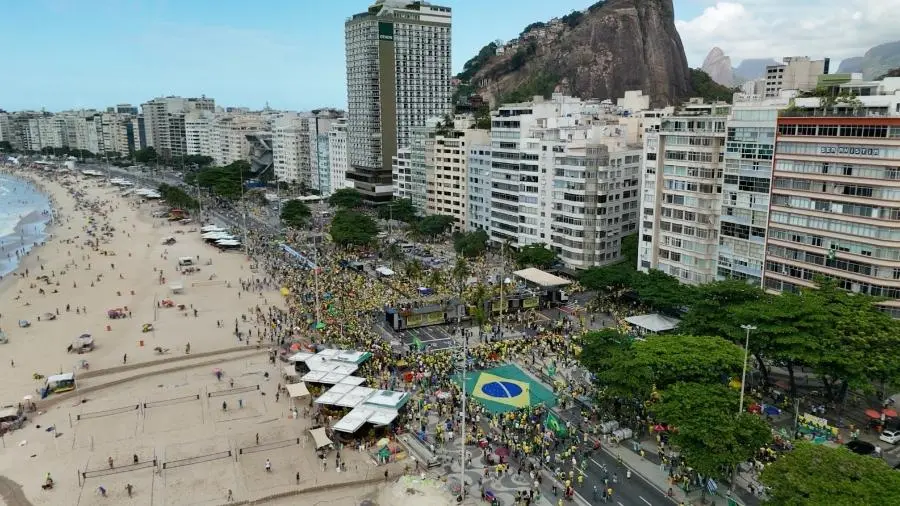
290, 148
796, 73
198, 127
746, 183
478, 186
229, 136
563, 174
398, 75
446, 181
319, 160
401, 174
682, 193
164, 122
337, 155
5, 128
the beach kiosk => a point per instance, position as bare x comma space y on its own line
58, 383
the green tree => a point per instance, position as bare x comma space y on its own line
470, 244
602, 349
398, 209
414, 269
351, 228
176, 197
709, 90
536, 255
6, 147
226, 181
294, 213
682, 403
610, 281
790, 329
661, 292
811, 475
347, 198
146, 155
434, 225
712, 312
460, 273
661, 361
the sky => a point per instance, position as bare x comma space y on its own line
63, 54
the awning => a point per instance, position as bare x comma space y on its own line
541, 278
320, 437
296, 390
289, 371
653, 322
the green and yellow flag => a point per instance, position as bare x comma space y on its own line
553, 423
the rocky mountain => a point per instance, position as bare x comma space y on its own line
718, 66
611, 47
876, 62
751, 68
853, 64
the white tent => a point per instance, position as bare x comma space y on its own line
320, 437
541, 278
653, 322
384, 271
297, 390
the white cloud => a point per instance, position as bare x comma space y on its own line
836, 29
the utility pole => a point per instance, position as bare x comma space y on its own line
316, 280
748, 328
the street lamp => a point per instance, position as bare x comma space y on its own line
748, 328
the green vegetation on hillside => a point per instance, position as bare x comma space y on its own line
471, 67
709, 90
573, 18
542, 83
890, 73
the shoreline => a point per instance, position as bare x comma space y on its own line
36, 217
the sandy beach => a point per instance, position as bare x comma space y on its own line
132, 403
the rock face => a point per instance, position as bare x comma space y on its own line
853, 64
612, 47
877, 61
752, 68
718, 66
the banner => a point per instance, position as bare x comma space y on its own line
552, 422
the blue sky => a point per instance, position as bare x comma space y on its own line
61, 54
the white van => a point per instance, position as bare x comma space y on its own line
185, 261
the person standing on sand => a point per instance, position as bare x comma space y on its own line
125, 358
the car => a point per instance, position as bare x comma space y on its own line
890, 436
861, 447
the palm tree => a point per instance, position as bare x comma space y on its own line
393, 252
414, 269
460, 274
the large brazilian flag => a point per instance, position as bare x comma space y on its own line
552, 422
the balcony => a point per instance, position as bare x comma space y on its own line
834, 112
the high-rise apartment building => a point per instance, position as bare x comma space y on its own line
164, 122
337, 155
229, 136
747, 179
446, 179
796, 73
563, 174
835, 204
478, 186
198, 126
398, 75
681, 204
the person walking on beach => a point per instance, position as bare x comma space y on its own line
129, 488
125, 358
268, 466
110, 461
230, 496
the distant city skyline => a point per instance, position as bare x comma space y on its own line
97, 53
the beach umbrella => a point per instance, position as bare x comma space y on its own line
382, 442
295, 347
889, 412
871, 413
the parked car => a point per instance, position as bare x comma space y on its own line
890, 436
861, 447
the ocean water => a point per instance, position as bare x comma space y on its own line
24, 213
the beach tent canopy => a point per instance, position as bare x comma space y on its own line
541, 278
320, 437
653, 322
61, 377
384, 271
296, 390
289, 371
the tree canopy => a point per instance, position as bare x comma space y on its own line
347, 198
813, 474
225, 181
294, 213
434, 225
176, 197
351, 228
146, 155
536, 255
6, 147
398, 209
470, 244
